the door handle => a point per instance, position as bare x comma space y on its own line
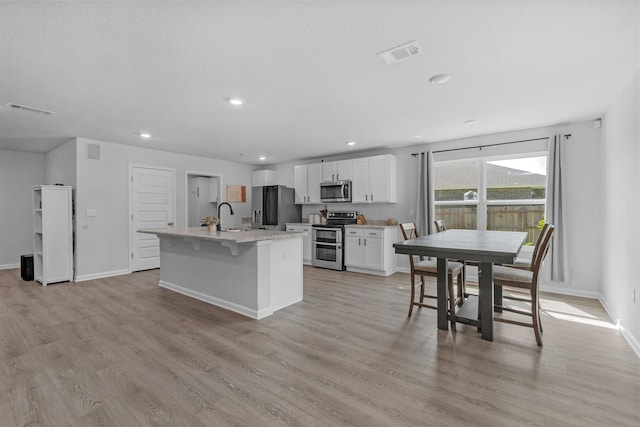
170, 223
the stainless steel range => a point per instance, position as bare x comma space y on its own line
328, 240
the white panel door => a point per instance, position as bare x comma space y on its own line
151, 207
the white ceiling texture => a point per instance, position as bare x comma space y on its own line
309, 72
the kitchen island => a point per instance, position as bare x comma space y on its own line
254, 272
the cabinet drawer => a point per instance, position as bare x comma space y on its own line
300, 228
354, 232
373, 232
364, 232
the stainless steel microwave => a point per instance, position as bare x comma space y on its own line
335, 191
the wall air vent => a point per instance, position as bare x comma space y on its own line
94, 151
30, 109
400, 53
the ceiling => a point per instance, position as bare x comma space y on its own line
308, 71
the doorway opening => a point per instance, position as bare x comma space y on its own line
202, 193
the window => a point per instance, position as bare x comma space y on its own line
492, 193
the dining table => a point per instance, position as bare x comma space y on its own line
487, 247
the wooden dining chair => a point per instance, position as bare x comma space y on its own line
427, 267
514, 277
526, 264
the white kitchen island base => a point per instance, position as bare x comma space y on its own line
232, 270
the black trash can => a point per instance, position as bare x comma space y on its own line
26, 267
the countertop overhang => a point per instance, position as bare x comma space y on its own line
202, 233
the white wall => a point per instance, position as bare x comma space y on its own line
19, 171
620, 224
61, 165
102, 242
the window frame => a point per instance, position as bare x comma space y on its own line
482, 203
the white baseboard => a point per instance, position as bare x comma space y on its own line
9, 266
570, 291
633, 342
102, 275
245, 311
367, 271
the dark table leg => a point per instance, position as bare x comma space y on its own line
442, 294
486, 300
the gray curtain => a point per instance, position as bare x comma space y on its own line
555, 210
425, 209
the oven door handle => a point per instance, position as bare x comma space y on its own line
338, 244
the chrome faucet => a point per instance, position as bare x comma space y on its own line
219, 227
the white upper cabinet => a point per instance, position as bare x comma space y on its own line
375, 179
307, 183
337, 171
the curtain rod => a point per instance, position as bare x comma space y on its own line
490, 145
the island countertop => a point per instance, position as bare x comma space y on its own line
223, 236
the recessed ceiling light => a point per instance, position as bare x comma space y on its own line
145, 135
262, 158
351, 143
417, 136
438, 79
470, 122
236, 101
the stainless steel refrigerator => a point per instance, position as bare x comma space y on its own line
273, 206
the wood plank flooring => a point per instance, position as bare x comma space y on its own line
122, 351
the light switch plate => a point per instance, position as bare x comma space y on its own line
90, 212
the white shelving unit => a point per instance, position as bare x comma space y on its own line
52, 234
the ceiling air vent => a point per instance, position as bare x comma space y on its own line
400, 53
30, 109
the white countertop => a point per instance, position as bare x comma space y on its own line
220, 236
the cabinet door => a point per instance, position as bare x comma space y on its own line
306, 245
306, 240
336, 171
360, 180
373, 253
343, 170
379, 179
300, 185
314, 176
329, 171
353, 251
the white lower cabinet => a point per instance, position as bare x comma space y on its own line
370, 250
306, 241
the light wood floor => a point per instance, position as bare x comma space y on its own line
123, 352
